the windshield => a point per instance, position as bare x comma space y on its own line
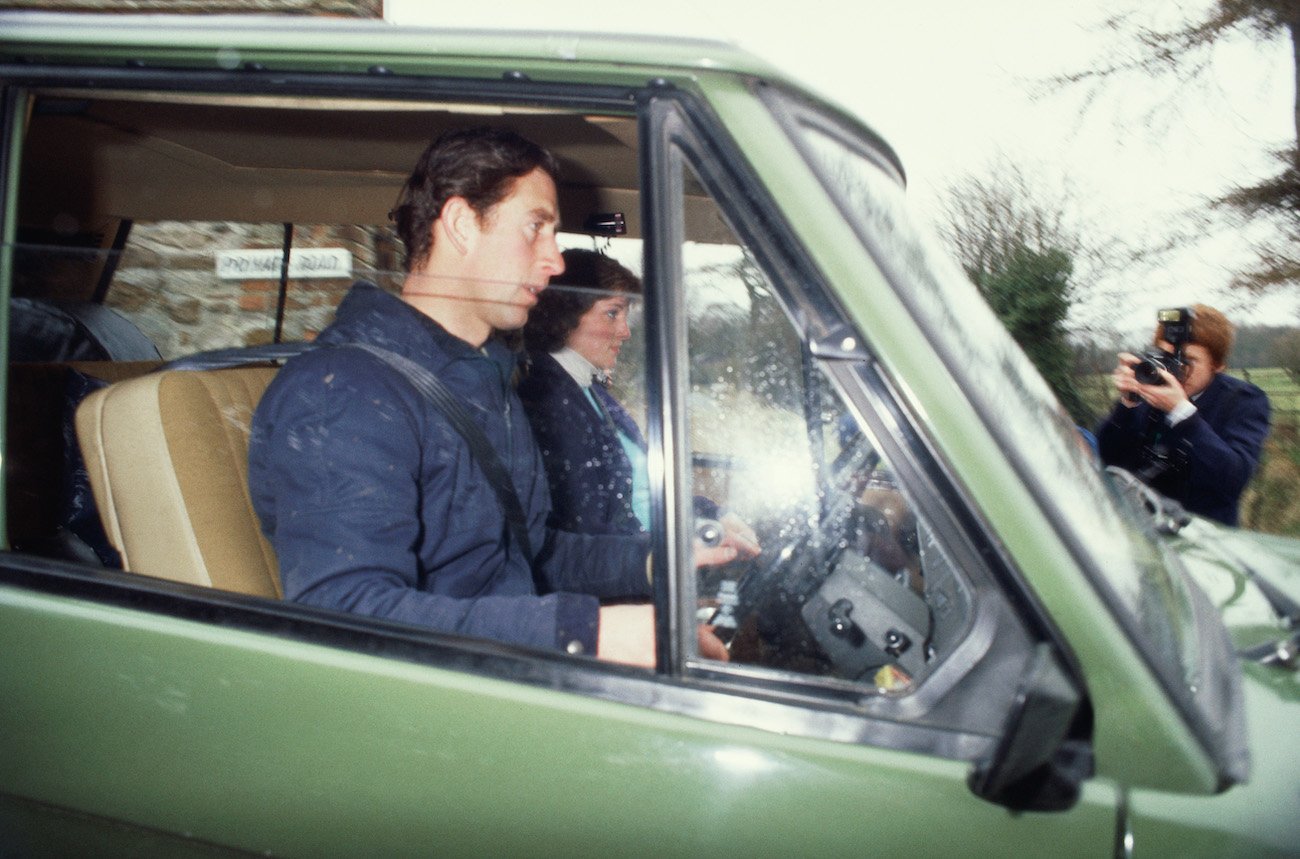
1112, 538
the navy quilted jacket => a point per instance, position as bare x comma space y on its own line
374, 504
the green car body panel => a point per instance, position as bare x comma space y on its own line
312, 751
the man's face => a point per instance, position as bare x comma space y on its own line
515, 254
1200, 368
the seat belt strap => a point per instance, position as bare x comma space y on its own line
481, 450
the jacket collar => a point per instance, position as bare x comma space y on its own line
371, 315
582, 370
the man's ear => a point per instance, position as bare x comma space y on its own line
460, 224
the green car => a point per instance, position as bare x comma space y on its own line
963, 636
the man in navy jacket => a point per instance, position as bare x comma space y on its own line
1196, 439
373, 502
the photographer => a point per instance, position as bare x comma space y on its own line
1182, 425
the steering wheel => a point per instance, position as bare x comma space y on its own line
821, 597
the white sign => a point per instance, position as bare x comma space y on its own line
265, 264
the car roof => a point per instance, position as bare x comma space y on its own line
304, 120
100, 33
291, 156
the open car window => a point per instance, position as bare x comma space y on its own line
154, 224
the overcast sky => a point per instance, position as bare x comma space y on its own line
958, 80
949, 83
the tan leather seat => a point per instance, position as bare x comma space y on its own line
167, 455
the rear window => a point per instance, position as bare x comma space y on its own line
189, 286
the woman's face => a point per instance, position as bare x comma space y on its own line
601, 332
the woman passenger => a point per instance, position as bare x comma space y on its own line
593, 450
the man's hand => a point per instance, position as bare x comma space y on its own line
737, 534
627, 635
1126, 384
713, 556
1164, 397
737, 540
711, 647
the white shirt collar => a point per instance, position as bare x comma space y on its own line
577, 366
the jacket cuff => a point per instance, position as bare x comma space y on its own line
577, 622
1180, 413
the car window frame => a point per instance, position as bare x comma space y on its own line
309, 626
1199, 712
679, 123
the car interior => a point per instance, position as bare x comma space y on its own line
98, 166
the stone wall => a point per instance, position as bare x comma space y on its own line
166, 282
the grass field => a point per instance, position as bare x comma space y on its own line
1271, 502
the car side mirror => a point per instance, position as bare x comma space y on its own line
1044, 754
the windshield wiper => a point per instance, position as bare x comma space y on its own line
1168, 516
1284, 653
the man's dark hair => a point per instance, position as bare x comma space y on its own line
559, 308
479, 164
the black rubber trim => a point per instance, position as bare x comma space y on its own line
508, 88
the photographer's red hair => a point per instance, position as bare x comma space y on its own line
1210, 329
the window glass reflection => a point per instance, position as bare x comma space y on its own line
849, 583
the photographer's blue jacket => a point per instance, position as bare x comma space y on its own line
1210, 455
374, 504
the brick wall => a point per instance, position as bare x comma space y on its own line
166, 282
168, 285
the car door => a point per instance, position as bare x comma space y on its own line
880, 670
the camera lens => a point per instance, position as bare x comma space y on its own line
1148, 372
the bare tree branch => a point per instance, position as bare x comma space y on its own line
1184, 53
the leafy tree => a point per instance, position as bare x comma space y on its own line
1023, 257
1185, 53
1030, 290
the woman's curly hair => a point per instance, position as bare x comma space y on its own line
588, 277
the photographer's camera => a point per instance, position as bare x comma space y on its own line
1175, 327
1147, 371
